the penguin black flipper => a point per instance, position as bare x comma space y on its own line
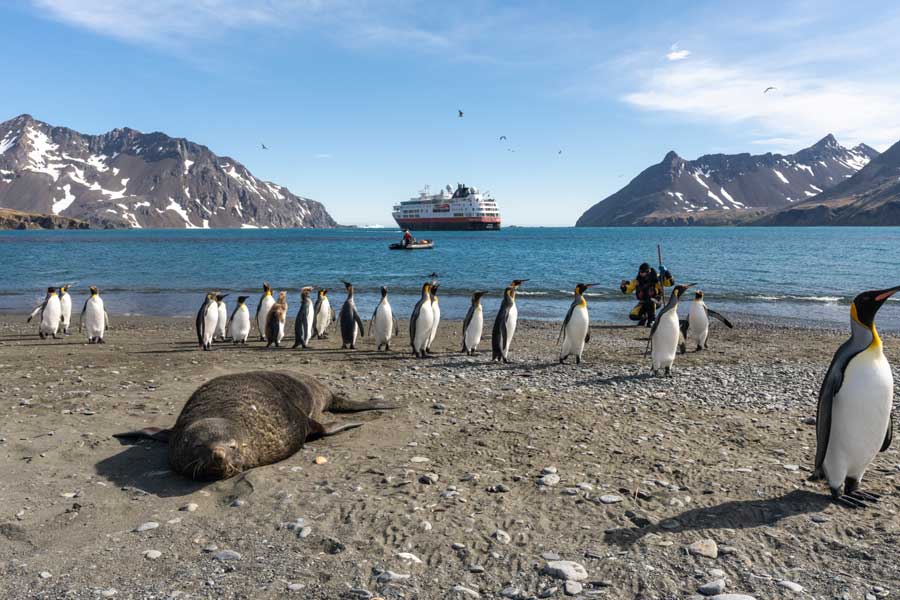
834, 378
298, 329
412, 324
715, 315
81, 316
200, 322
659, 315
562, 330
889, 436
498, 333
466, 322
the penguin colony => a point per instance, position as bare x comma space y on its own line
853, 421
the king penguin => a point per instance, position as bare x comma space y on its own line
262, 310
50, 312
303, 325
665, 336
576, 327
65, 305
436, 315
853, 420
473, 325
222, 323
420, 322
94, 319
207, 319
382, 323
239, 323
323, 315
351, 323
505, 323
695, 329
275, 321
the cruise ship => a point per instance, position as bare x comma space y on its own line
464, 208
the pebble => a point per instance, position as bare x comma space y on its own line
237, 502
707, 548
189, 507
502, 537
550, 556
109, 593
295, 587
45, 575
390, 577
152, 554
610, 499
818, 519
465, 591
429, 478
226, 555
565, 569
712, 588
409, 556
549, 470
790, 585
476, 569
549, 479
791, 467
573, 588
498, 489
419, 459
146, 526
426, 526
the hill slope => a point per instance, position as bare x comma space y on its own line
723, 188
131, 179
870, 197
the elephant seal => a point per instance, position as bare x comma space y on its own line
237, 422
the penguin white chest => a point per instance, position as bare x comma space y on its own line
384, 323
512, 318
698, 323
576, 331
210, 321
51, 316
240, 325
860, 415
665, 340
475, 328
94, 318
423, 326
222, 321
436, 320
65, 304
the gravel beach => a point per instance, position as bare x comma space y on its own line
527, 480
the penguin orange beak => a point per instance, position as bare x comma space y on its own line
590, 285
887, 294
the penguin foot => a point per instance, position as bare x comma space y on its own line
101, 341
864, 496
850, 502
577, 360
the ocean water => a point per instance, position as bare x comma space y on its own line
805, 274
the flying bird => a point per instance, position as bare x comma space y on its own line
769, 89
264, 147
510, 150
502, 137
460, 113
560, 152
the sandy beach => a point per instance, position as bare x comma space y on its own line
484, 475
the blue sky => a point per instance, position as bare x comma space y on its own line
357, 100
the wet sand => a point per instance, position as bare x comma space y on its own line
646, 466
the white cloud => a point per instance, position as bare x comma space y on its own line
166, 22
678, 54
806, 107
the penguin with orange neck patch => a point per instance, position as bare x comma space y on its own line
853, 421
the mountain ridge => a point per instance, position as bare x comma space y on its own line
127, 178
726, 188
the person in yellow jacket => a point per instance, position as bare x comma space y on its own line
648, 288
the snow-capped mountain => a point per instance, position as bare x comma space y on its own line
723, 188
125, 178
870, 197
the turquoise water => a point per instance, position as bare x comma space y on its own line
809, 274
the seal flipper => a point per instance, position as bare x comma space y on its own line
318, 430
342, 404
151, 433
